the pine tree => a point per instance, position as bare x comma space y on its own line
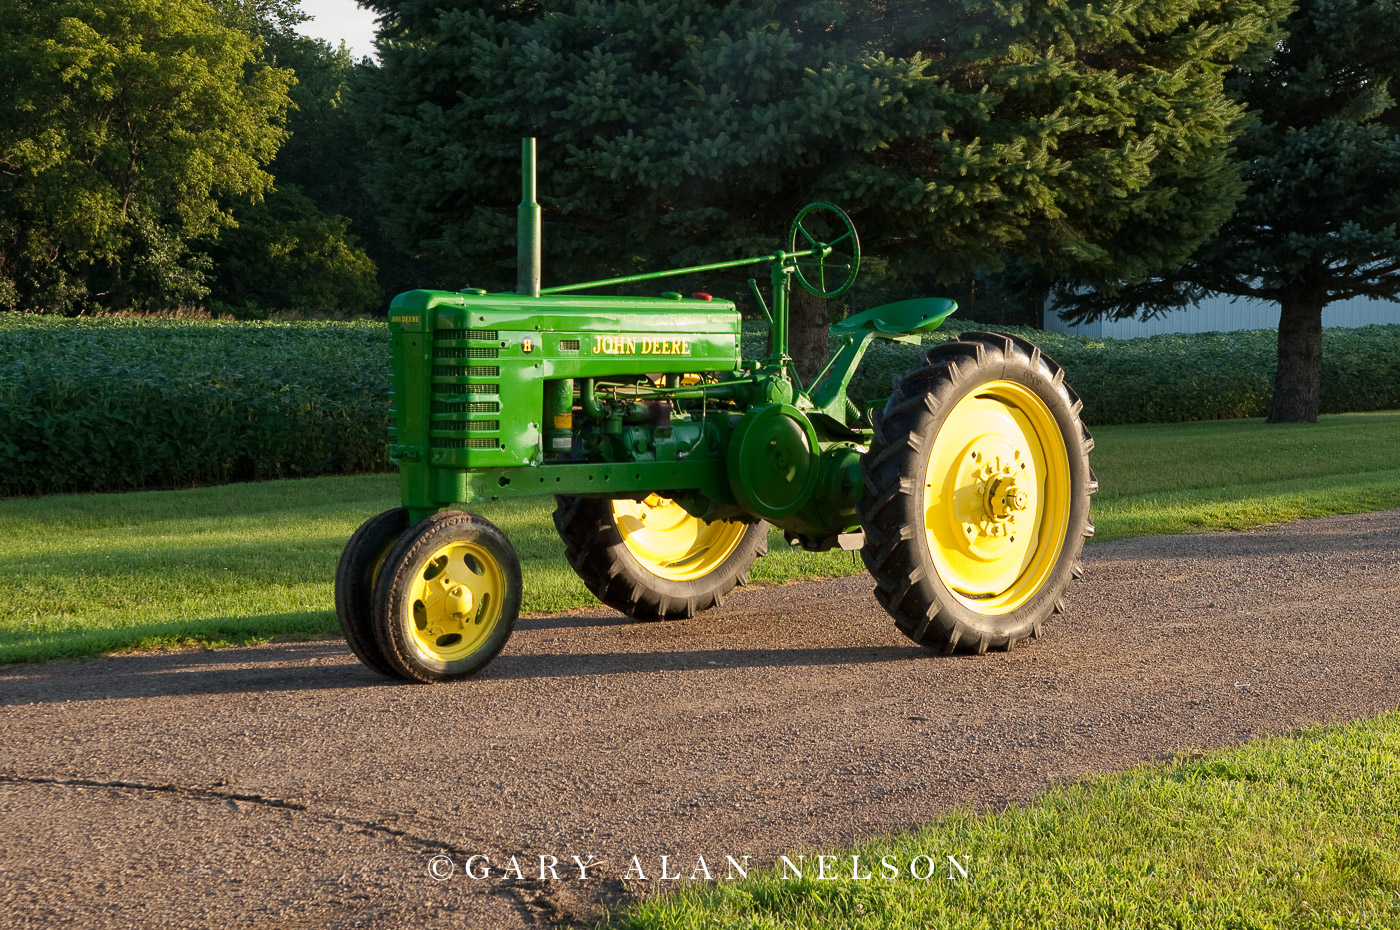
679, 131
1320, 221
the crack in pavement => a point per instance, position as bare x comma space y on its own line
210, 794
544, 900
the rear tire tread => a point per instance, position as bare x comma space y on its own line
920, 605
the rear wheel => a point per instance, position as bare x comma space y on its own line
976, 503
447, 598
360, 563
651, 559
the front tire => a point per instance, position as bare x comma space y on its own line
447, 597
355, 576
651, 559
976, 503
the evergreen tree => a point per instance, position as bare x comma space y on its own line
126, 124
1320, 221
677, 131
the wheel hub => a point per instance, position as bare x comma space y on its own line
459, 602
1004, 499
994, 496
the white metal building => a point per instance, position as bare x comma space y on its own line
1219, 314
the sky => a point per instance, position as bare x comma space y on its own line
334, 20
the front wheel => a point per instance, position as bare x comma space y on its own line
976, 502
447, 597
355, 576
652, 560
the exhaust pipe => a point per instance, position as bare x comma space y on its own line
527, 226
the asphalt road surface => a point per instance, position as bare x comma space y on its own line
286, 785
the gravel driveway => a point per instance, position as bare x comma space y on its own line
286, 785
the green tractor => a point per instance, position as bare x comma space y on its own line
670, 454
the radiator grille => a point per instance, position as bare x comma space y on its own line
489, 335
467, 371
476, 442
480, 406
467, 352
451, 429
467, 388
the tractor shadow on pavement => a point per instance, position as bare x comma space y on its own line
515, 667
327, 664
570, 621
281, 666
1313, 536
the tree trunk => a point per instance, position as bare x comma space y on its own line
808, 337
1298, 381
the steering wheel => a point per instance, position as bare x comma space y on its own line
827, 232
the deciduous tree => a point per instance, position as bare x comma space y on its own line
287, 254
126, 124
307, 244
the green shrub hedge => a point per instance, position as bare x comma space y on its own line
1194, 376
119, 403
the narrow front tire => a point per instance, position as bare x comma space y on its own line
355, 576
447, 598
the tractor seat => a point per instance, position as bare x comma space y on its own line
901, 318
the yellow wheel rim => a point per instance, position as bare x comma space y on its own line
997, 497
672, 544
455, 601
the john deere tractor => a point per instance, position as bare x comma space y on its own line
670, 454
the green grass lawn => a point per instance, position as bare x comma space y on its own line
84, 574
1291, 832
